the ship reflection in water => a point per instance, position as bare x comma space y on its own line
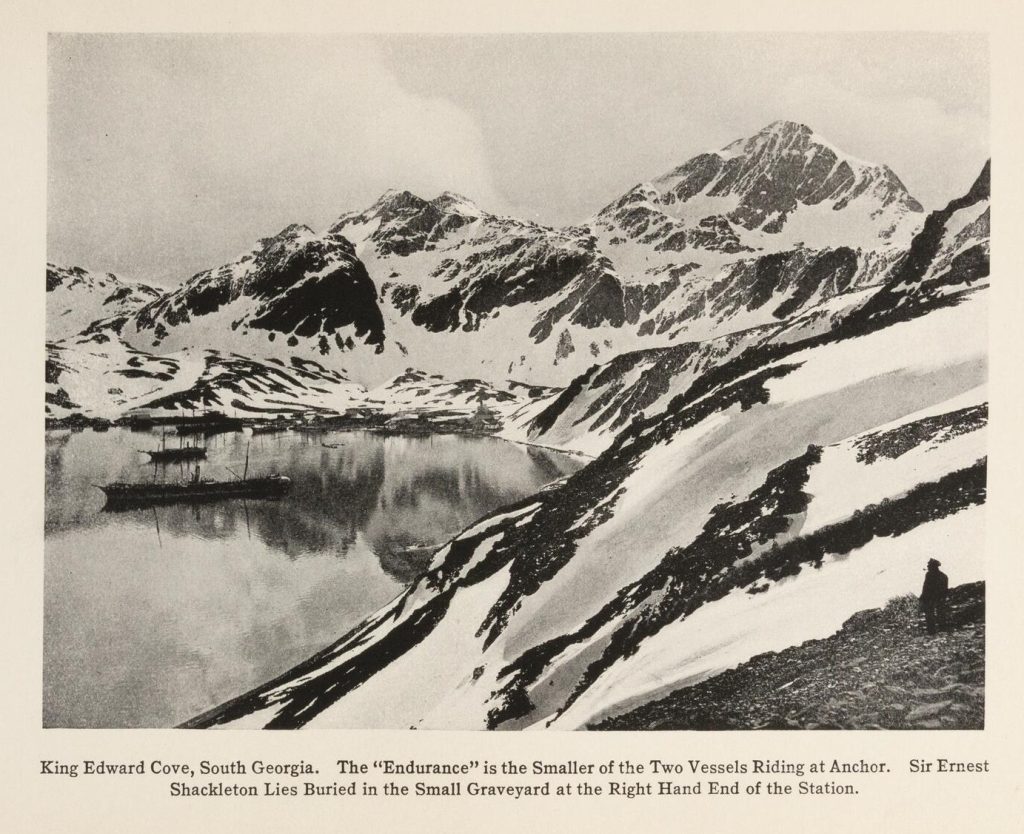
155, 614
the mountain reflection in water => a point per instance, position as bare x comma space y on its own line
153, 615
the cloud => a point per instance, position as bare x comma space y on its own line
169, 153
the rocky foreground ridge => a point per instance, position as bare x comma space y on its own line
881, 670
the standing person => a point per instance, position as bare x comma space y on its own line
933, 596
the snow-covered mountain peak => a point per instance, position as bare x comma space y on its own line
449, 201
782, 127
402, 223
403, 206
288, 238
784, 164
782, 130
294, 231
394, 202
784, 186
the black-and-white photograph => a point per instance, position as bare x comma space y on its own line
552, 381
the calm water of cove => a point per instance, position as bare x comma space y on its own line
152, 616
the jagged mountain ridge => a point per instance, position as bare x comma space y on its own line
400, 223
813, 472
410, 281
453, 268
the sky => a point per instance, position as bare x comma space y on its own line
169, 154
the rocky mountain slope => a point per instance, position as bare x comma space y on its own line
790, 483
75, 298
413, 390
748, 236
951, 253
277, 315
294, 285
754, 233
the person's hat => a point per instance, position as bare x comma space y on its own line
935, 562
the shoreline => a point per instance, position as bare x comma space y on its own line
65, 424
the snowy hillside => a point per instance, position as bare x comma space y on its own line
415, 391
99, 375
879, 671
950, 254
786, 486
75, 298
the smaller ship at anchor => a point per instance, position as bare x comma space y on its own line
172, 455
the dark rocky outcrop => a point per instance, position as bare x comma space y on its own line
299, 284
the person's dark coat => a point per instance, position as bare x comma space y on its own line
936, 585
933, 597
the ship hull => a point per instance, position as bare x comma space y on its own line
173, 455
128, 496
